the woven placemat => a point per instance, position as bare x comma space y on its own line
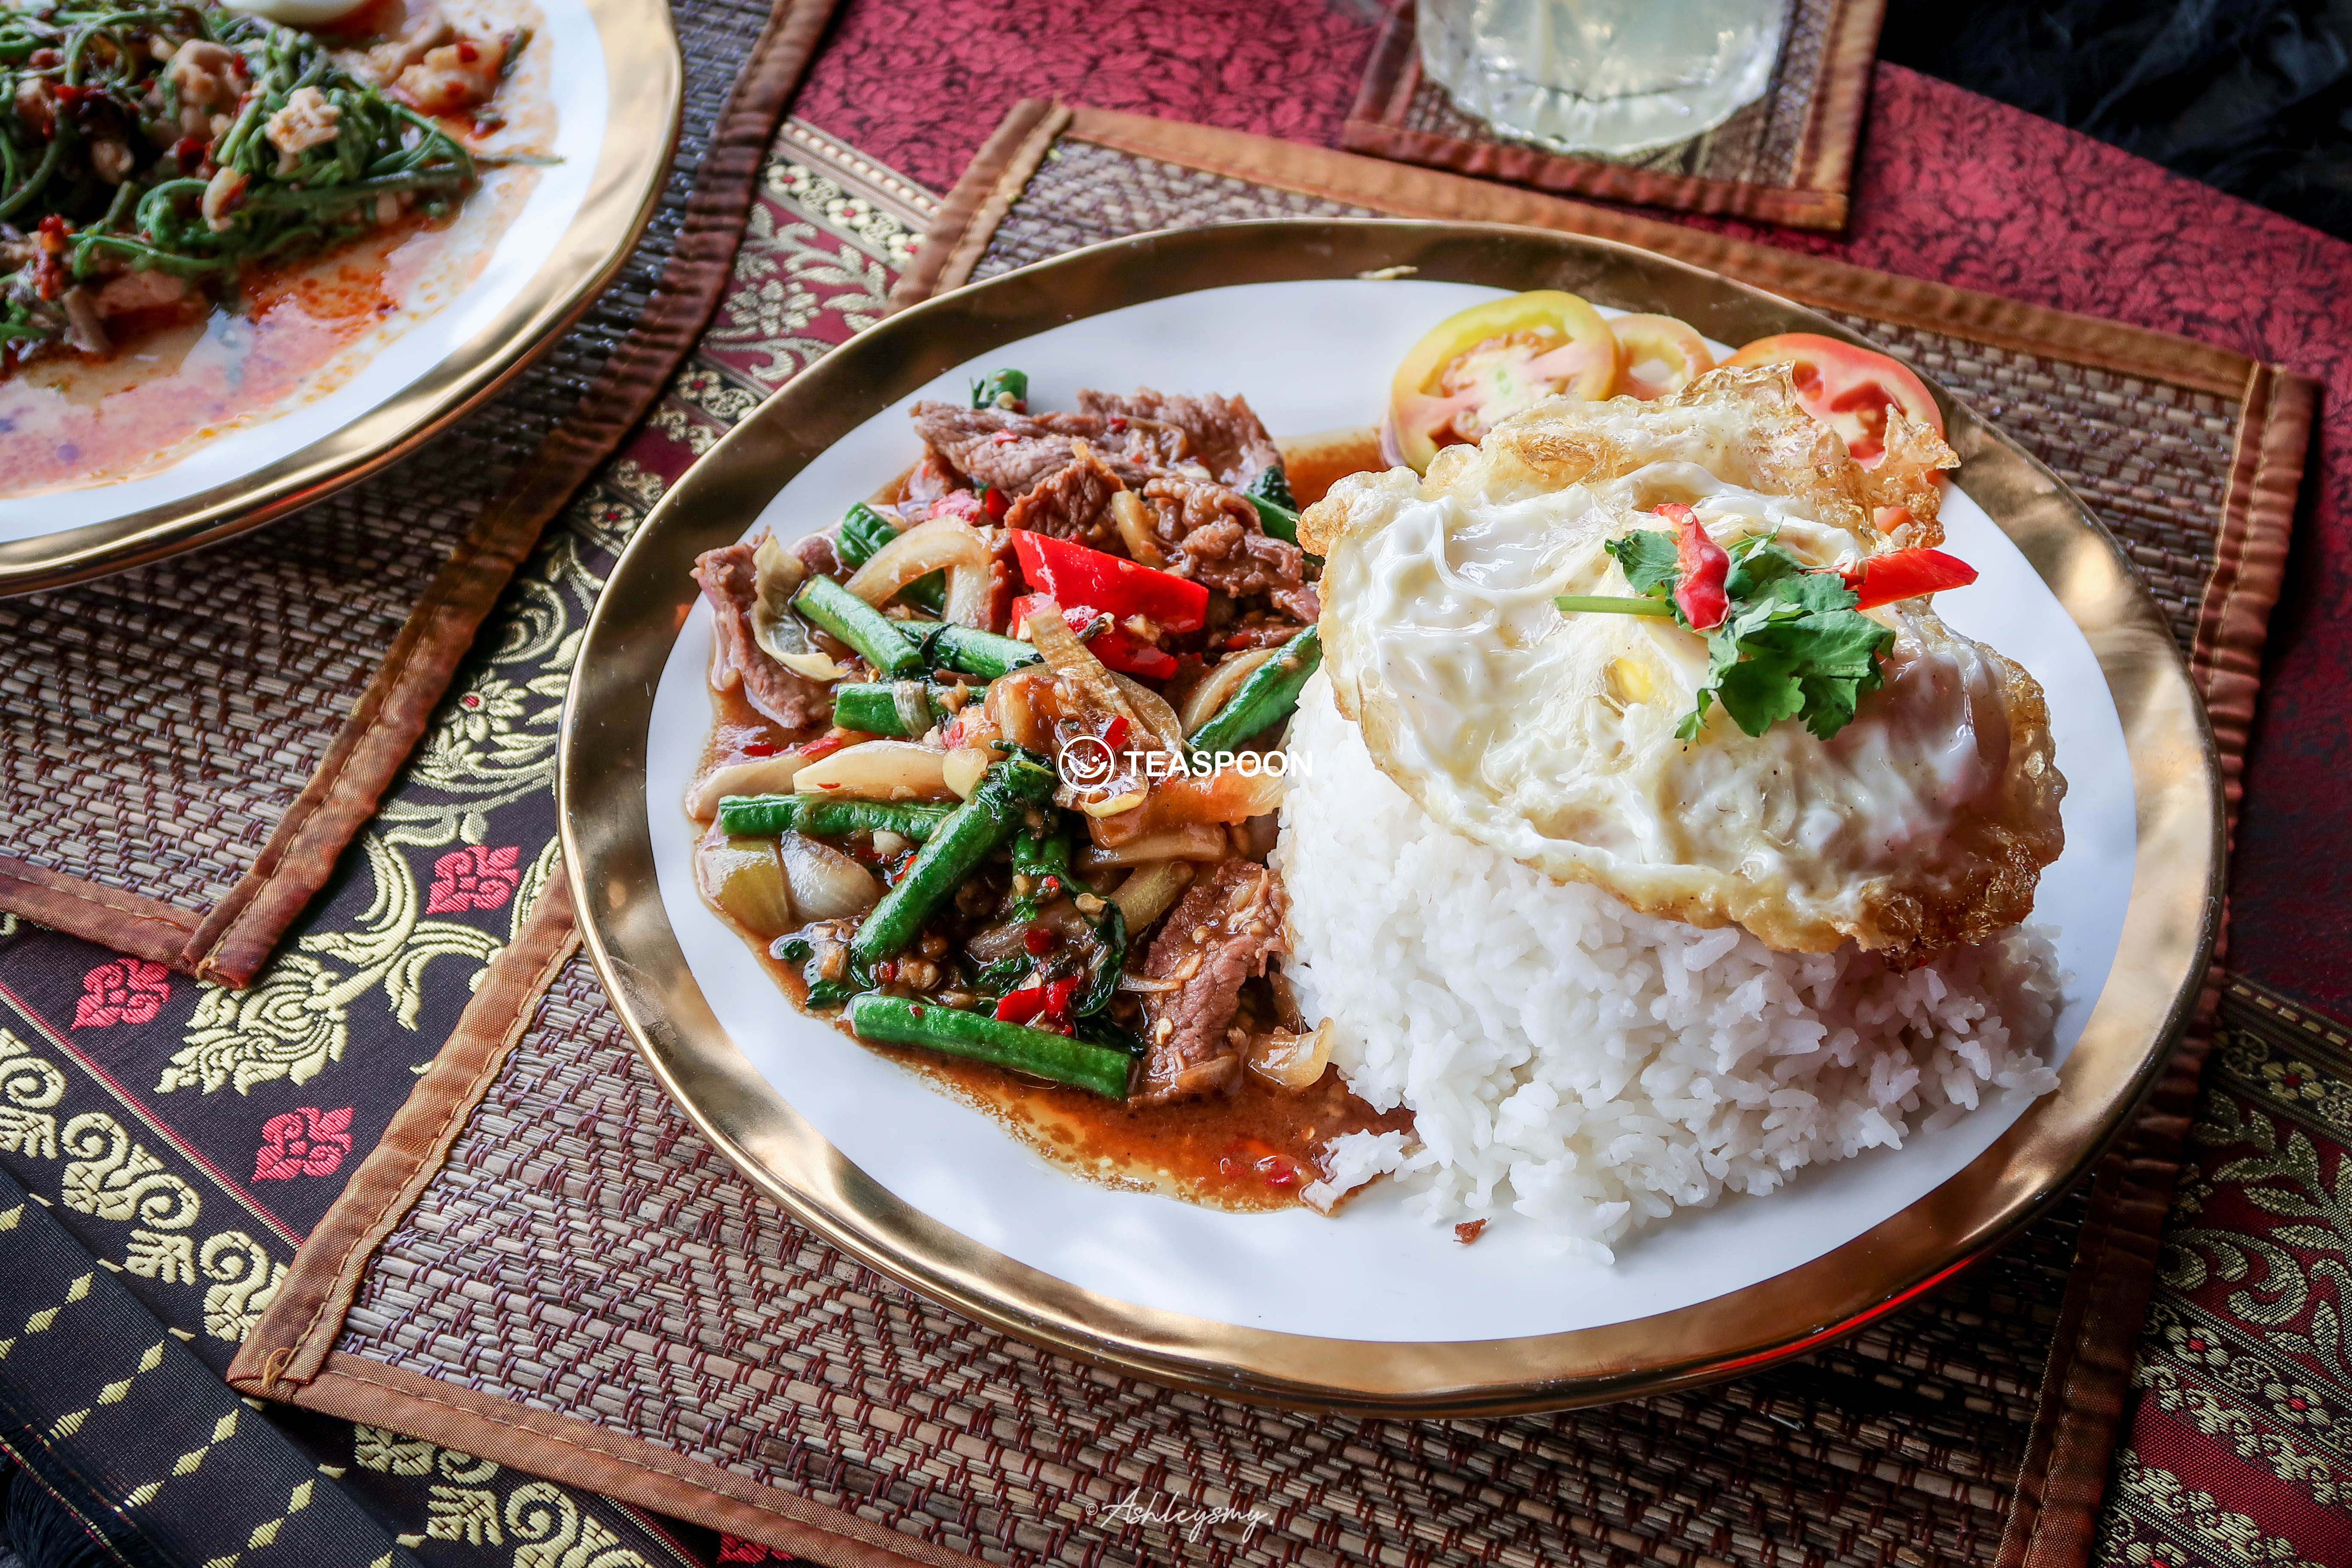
186, 748
541, 1262
1785, 157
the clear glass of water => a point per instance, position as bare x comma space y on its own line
1612, 77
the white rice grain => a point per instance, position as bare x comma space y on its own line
1592, 1068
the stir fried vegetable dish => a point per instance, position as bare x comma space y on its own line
998, 754
149, 154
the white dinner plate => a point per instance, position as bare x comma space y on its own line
1260, 1296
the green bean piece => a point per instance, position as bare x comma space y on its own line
1277, 509
864, 531
983, 654
899, 1021
903, 709
1273, 484
998, 808
826, 816
876, 637
1266, 697
1006, 389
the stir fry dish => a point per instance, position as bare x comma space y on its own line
995, 771
153, 157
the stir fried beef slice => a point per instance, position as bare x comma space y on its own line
1224, 436
1073, 501
1222, 933
1213, 535
1014, 452
730, 582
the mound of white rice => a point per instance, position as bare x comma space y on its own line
1590, 1068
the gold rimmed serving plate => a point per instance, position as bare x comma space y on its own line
643, 93
2166, 931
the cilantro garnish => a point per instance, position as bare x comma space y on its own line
1791, 646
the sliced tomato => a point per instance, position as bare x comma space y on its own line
1077, 575
1661, 354
1480, 365
1905, 574
1847, 388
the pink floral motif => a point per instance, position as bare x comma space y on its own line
304, 1142
735, 1549
476, 877
127, 991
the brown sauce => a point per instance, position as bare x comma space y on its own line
1251, 1150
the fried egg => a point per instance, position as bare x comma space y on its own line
1550, 735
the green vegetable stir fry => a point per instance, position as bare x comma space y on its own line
1010, 798
149, 153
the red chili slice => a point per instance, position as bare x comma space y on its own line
1905, 574
1705, 569
1077, 575
1020, 1007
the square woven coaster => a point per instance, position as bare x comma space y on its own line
543, 1263
186, 748
1785, 157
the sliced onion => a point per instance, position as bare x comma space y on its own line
1228, 796
1151, 892
928, 547
1202, 703
1293, 1061
1134, 523
963, 768
761, 775
1012, 711
783, 635
1198, 841
744, 878
877, 770
826, 884
1066, 656
1152, 711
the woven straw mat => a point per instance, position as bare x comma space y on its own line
582, 1252
156, 725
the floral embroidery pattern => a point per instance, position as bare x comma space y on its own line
304, 1142
127, 991
473, 879
296, 1019
2243, 1357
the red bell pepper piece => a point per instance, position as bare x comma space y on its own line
1905, 574
1020, 1007
1077, 575
1705, 568
1116, 647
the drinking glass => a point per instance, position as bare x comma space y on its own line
1601, 75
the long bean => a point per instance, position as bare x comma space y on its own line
998, 806
1267, 696
826, 816
902, 708
860, 624
1277, 509
983, 654
900, 1021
